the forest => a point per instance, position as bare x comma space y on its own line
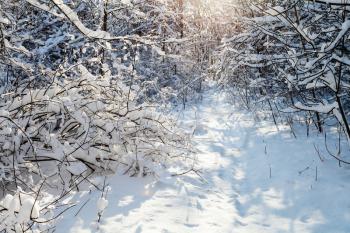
174, 116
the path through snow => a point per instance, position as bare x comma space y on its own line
237, 156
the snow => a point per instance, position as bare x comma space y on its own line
4, 113
254, 179
18, 209
4, 20
6, 131
275, 10
344, 29
126, 2
28, 210
102, 204
345, 60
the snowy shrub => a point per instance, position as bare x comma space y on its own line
54, 137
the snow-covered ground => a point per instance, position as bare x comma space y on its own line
256, 179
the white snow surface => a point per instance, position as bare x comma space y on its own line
237, 156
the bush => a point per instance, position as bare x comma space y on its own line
53, 138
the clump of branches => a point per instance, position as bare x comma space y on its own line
62, 133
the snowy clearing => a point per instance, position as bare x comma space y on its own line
257, 179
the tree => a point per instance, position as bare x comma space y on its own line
293, 55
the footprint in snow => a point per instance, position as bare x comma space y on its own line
241, 210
